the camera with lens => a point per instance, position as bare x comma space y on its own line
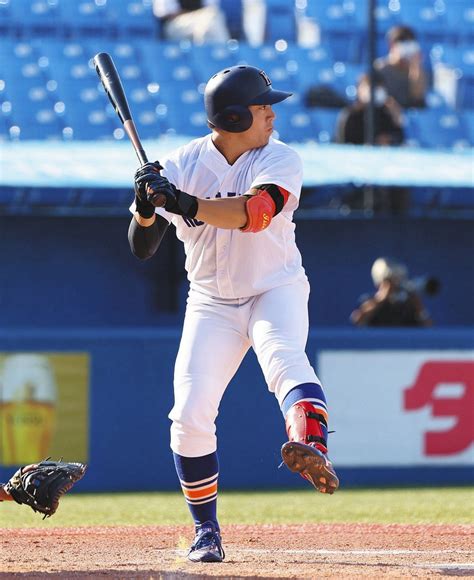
396, 272
428, 285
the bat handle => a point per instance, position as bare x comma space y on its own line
141, 156
131, 131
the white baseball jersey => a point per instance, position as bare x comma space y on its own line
228, 263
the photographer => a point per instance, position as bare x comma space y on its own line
397, 301
402, 69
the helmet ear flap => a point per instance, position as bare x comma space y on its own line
235, 119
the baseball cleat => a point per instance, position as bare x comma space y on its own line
311, 464
207, 546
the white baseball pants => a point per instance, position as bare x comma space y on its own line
216, 336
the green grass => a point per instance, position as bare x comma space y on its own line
409, 506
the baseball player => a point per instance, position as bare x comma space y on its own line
231, 197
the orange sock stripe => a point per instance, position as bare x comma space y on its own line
212, 497
201, 492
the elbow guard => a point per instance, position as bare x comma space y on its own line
263, 204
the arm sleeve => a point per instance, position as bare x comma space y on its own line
145, 241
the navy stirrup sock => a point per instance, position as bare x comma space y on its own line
198, 478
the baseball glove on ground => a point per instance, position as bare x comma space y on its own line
42, 485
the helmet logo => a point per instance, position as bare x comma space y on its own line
265, 77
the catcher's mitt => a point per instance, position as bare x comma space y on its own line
41, 485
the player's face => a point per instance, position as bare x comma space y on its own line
262, 126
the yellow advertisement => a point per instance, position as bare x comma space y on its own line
43, 407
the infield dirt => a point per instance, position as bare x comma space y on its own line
267, 551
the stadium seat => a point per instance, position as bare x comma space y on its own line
467, 120
133, 18
460, 18
36, 17
427, 18
324, 123
233, 15
206, 60
280, 21
339, 27
91, 123
346, 77
433, 129
7, 23
453, 74
294, 127
85, 17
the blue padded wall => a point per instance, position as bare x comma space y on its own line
80, 272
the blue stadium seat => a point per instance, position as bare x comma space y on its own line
7, 23
427, 18
467, 119
208, 59
263, 56
306, 57
182, 111
280, 21
346, 77
324, 122
38, 126
233, 14
311, 75
460, 17
330, 15
295, 127
453, 74
85, 17
168, 63
133, 18
433, 129
89, 123
36, 18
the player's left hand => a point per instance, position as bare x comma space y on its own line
158, 188
149, 171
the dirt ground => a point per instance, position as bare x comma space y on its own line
341, 551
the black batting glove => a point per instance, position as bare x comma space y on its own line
176, 201
145, 207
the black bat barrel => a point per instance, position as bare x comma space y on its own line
104, 65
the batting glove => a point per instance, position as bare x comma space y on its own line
176, 201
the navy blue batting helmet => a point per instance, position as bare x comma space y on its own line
231, 91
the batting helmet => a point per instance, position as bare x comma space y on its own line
231, 91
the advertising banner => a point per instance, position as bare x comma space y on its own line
43, 407
400, 407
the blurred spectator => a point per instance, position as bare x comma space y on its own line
351, 128
200, 21
402, 69
397, 301
351, 125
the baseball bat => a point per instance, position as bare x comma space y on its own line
108, 74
